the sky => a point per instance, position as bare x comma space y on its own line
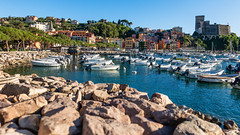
154, 14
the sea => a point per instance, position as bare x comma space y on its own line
218, 100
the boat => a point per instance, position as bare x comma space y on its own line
226, 78
195, 74
45, 63
236, 83
164, 66
104, 67
90, 63
142, 63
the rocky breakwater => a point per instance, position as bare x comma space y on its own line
16, 58
52, 105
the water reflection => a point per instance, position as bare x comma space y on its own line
236, 93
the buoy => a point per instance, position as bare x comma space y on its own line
124, 68
75, 67
134, 72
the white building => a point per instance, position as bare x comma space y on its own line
74, 22
43, 26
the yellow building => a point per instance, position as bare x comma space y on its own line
129, 43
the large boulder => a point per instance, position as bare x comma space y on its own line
93, 125
171, 117
150, 127
30, 122
197, 126
22, 108
128, 108
108, 112
4, 103
147, 106
17, 89
89, 103
133, 93
100, 95
161, 99
59, 117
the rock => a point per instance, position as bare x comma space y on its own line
108, 112
124, 87
230, 124
13, 131
4, 103
30, 122
93, 125
99, 95
3, 96
208, 118
215, 120
88, 83
89, 103
131, 92
65, 89
36, 83
147, 106
22, 108
22, 97
231, 132
58, 103
112, 87
59, 117
10, 125
78, 97
197, 126
150, 127
161, 99
128, 108
88, 94
171, 117
17, 89
73, 84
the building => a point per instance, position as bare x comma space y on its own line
210, 30
120, 42
84, 36
46, 27
198, 23
129, 43
31, 19
177, 29
74, 22
3, 20
99, 39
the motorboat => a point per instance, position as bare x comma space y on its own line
236, 83
226, 78
164, 66
45, 63
105, 62
104, 67
142, 63
195, 74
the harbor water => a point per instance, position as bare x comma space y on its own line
218, 100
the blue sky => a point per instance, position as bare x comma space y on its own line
163, 14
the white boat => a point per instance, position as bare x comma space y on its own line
104, 67
105, 62
227, 78
45, 63
194, 75
164, 66
142, 63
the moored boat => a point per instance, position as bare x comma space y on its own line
227, 78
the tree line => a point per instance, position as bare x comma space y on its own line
17, 39
223, 42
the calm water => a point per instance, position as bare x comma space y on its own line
218, 100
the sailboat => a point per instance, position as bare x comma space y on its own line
212, 54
